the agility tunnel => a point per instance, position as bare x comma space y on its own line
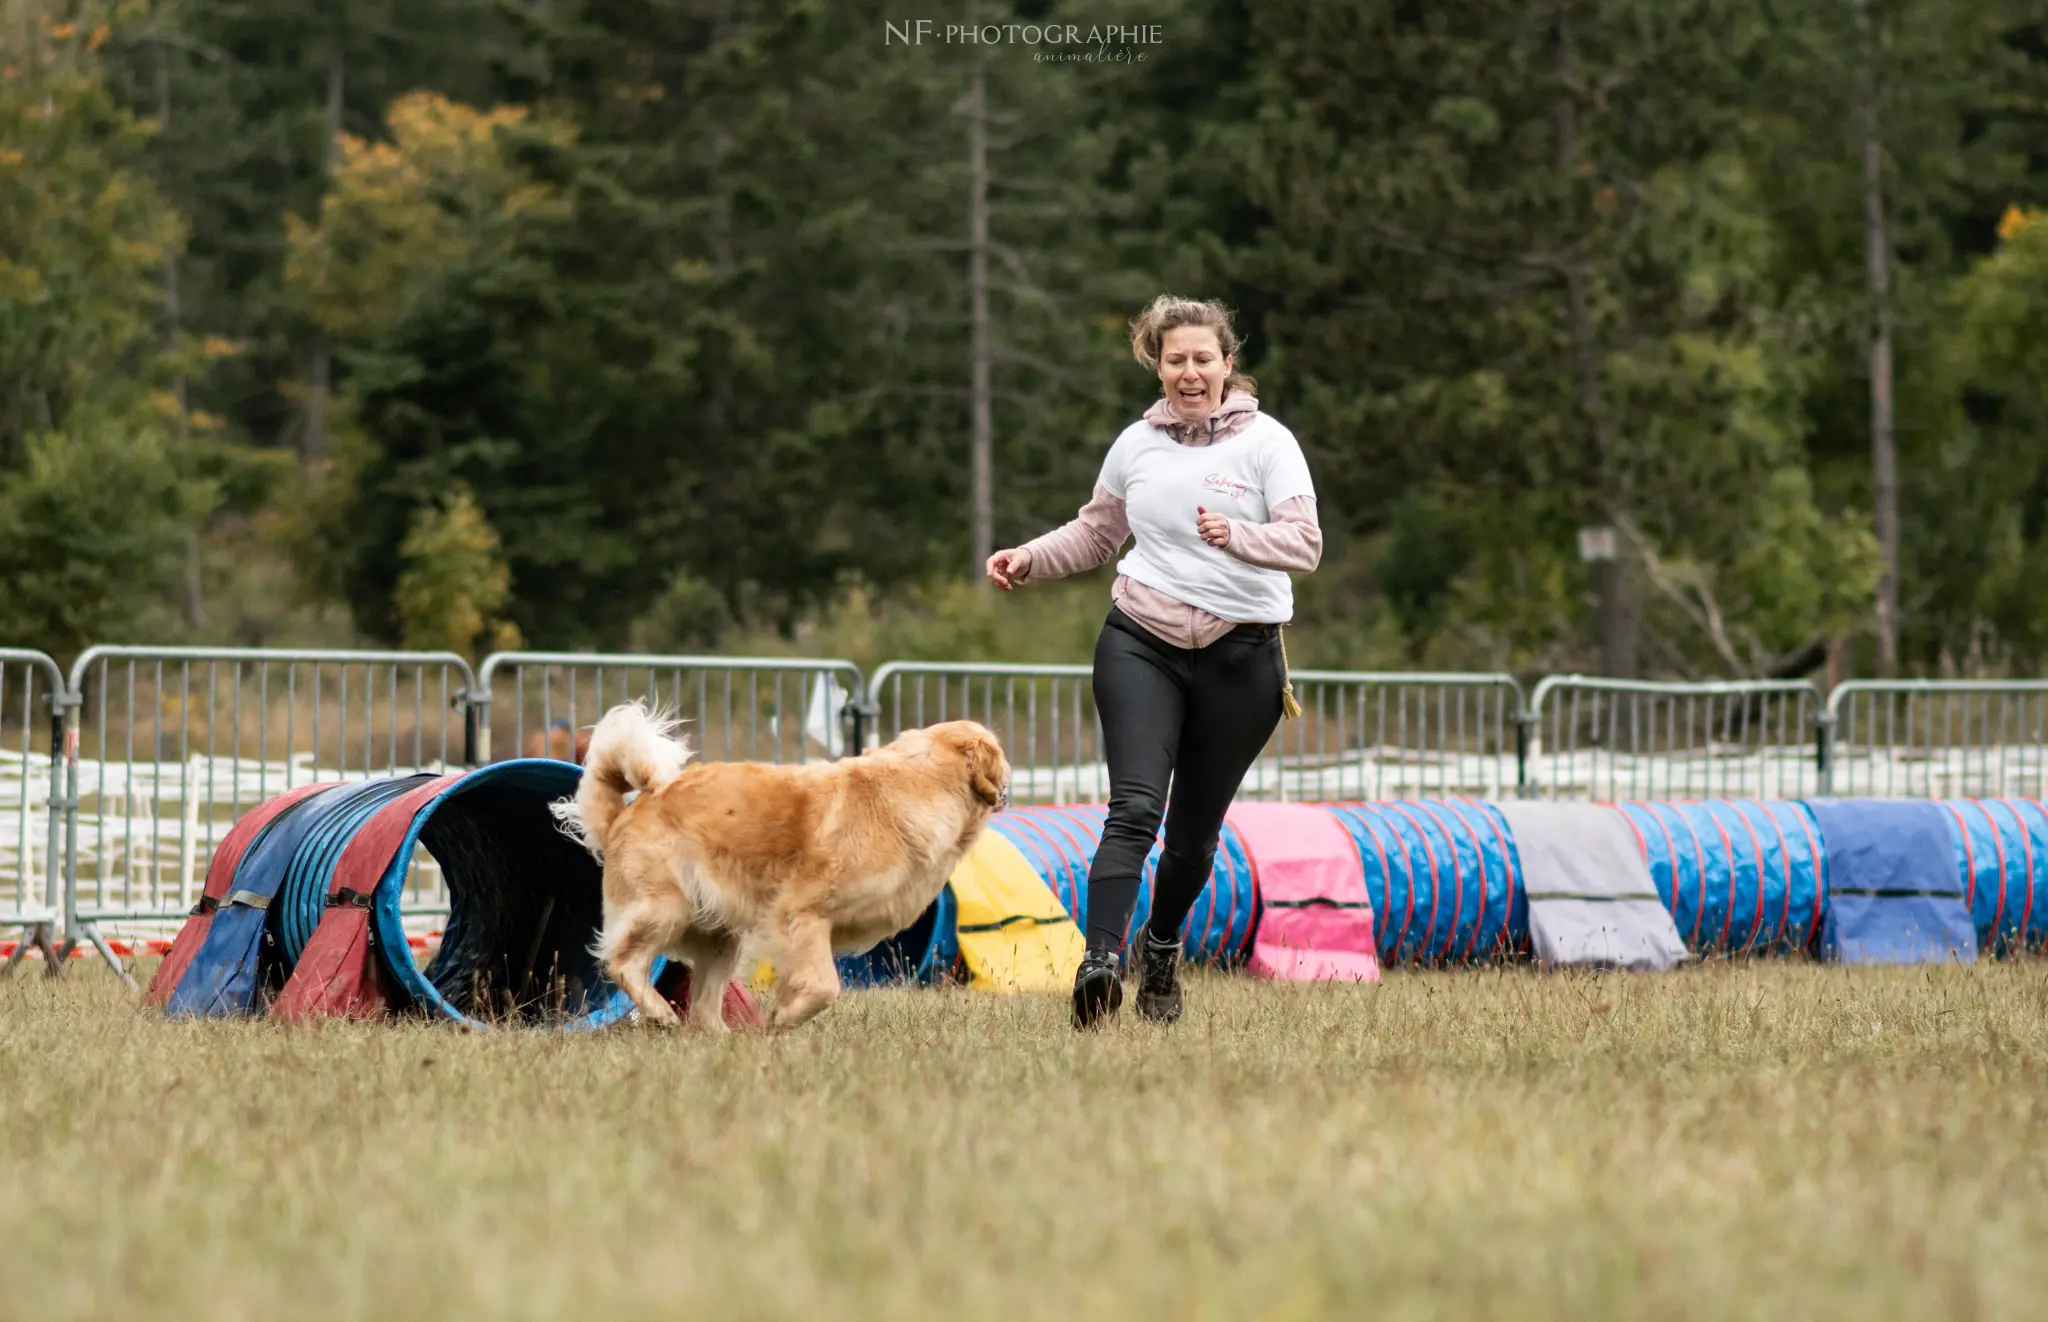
300, 916
1644, 885
301, 911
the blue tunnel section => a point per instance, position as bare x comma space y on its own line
1740, 876
2000, 850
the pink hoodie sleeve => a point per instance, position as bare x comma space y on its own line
1293, 541
1089, 539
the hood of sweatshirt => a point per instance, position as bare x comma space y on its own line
1232, 416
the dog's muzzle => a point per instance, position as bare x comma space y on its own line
1003, 799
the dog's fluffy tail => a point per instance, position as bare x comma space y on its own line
632, 748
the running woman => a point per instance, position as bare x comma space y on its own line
1190, 677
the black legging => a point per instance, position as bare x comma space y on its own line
1197, 716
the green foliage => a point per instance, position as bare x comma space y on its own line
96, 503
1986, 384
400, 213
655, 315
92, 534
453, 584
83, 234
944, 619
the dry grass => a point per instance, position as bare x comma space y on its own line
1731, 1141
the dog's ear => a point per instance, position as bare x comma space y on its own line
986, 770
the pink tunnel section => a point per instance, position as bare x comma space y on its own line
1316, 922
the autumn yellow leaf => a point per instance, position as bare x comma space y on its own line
401, 209
2015, 220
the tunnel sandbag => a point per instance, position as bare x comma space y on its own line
220, 874
1587, 885
238, 961
1442, 876
923, 953
2001, 852
1739, 876
1060, 843
1895, 895
1014, 935
325, 926
1316, 919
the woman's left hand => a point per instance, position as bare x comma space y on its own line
1214, 528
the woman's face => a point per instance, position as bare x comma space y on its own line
1193, 369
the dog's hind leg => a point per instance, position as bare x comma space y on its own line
808, 979
710, 971
628, 947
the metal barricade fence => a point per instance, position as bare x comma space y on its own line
31, 801
1935, 739
116, 787
1611, 739
765, 709
1361, 735
1043, 714
1378, 736
168, 746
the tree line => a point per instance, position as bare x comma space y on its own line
685, 323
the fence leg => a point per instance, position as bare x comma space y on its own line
1824, 753
476, 729
854, 719
39, 936
99, 943
42, 935
64, 758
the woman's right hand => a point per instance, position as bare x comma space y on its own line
1008, 568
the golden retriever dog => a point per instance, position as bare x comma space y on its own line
715, 861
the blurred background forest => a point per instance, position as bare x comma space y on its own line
680, 324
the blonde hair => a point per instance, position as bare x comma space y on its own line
1167, 313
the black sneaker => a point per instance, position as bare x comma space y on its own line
1098, 988
1158, 986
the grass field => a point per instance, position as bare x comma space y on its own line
1732, 1141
